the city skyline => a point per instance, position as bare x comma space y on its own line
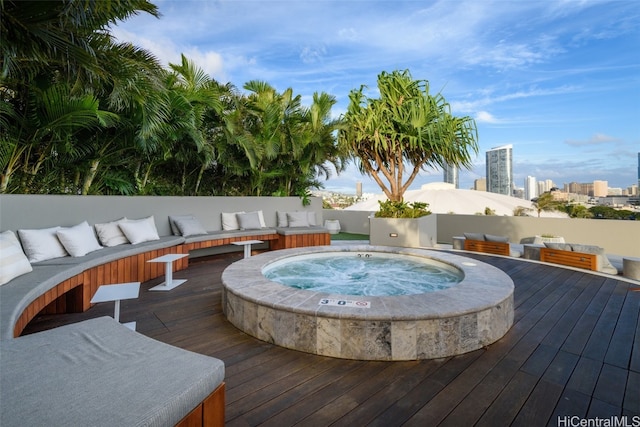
559, 80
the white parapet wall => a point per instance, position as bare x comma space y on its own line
617, 237
42, 211
404, 232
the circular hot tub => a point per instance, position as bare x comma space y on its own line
461, 317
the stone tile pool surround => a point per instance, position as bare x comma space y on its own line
465, 317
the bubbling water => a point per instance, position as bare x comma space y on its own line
363, 274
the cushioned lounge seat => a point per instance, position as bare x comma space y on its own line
100, 373
290, 231
223, 234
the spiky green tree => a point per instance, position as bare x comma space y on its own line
404, 131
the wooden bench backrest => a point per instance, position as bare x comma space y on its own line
569, 258
496, 248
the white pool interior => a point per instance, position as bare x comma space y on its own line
363, 273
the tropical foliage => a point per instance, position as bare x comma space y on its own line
402, 209
545, 202
404, 131
607, 212
83, 114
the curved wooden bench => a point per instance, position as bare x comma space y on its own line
223, 238
66, 285
296, 237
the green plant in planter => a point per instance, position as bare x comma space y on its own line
402, 209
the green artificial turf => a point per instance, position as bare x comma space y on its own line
349, 236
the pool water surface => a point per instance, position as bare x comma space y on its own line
364, 274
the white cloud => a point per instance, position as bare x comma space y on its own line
163, 48
485, 117
211, 62
166, 51
349, 34
596, 139
310, 55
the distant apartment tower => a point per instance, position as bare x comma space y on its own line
500, 170
480, 184
586, 188
600, 188
639, 170
451, 175
530, 188
573, 187
358, 189
541, 187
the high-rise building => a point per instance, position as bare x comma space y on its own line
480, 184
451, 175
530, 188
600, 188
541, 188
500, 170
358, 189
573, 187
638, 170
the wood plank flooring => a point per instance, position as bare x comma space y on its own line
573, 351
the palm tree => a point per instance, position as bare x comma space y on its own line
185, 142
62, 34
49, 49
287, 145
545, 202
318, 149
407, 129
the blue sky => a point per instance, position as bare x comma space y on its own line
560, 80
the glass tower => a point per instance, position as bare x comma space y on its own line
500, 170
451, 175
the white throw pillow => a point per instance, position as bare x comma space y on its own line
230, 220
298, 219
13, 262
172, 222
282, 219
189, 227
78, 240
311, 217
109, 233
41, 244
140, 230
261, 217
249, 221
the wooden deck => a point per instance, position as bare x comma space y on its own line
574, 350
